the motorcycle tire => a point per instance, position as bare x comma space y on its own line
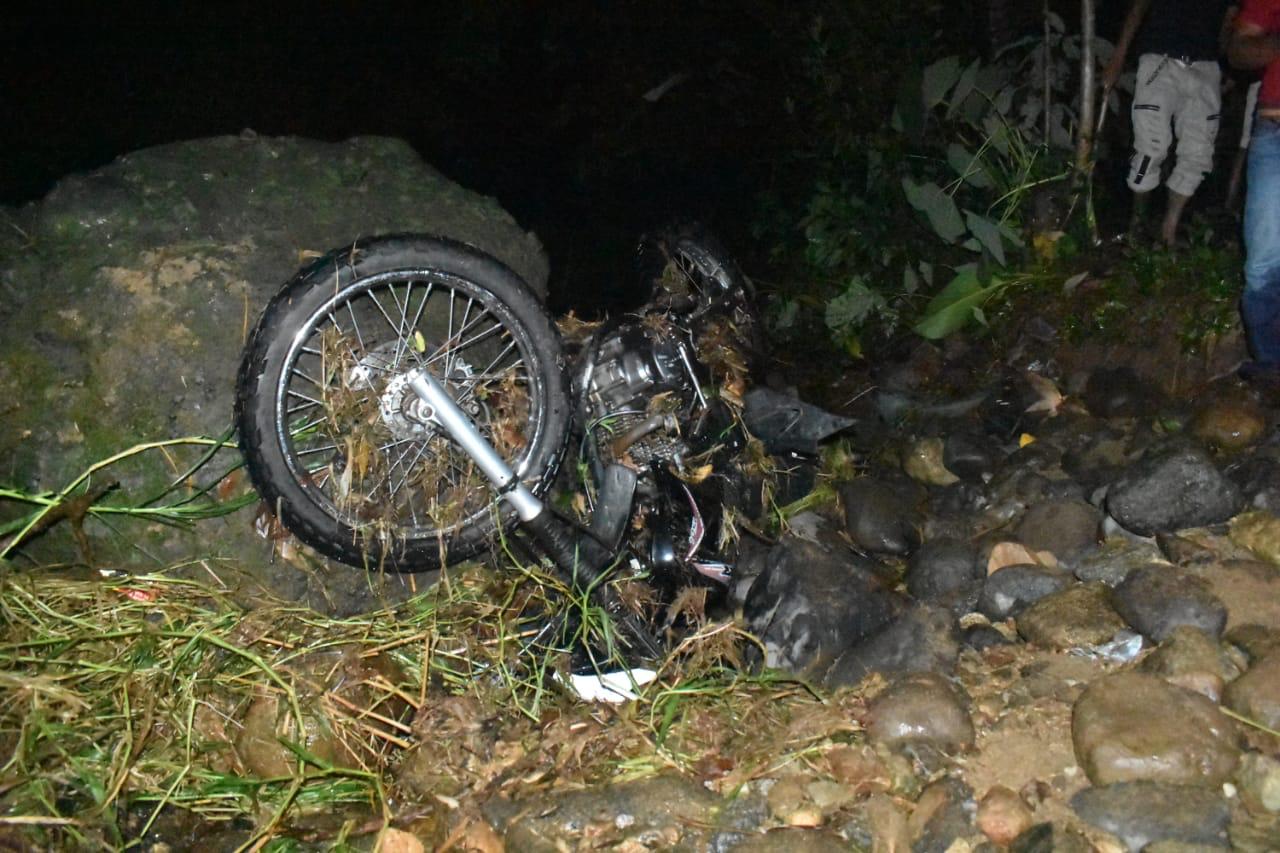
344, 453
686, 267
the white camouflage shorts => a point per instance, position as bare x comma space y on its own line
1174, 98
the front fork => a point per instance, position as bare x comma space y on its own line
560, 544
443, 410
551, 534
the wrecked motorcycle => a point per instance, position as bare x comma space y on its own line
405, 402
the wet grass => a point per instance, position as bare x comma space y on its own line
130, 699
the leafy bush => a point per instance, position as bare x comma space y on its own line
965, 176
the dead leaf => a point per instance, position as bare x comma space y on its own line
1050, 398
1016, 554
392, 840
228, 485
696, 474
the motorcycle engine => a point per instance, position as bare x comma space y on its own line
641, 384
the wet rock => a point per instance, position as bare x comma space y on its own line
1249, 589
258, 745
1256, 641
1183, 550
1190, 658
943, 814
661, 812
1114, 561
1260, 533
810, 604
1065, 528
1077, 617
920, 709
753, 557
859, 767
923, 463
952, 511
158, 257
921, 366
1230, 423
1041, 456
1119, 392
941, 568
1256, 694
1047, 838
925, 638
1258, 477
1014, 488
1133, 726
791, 840
1003, 816
888, 824
982, 637
879, 517
1172, 491
1008, 591
1156, 599
789, 803
741, 817
1142, 813
968, 457
1259, 781
1098, 462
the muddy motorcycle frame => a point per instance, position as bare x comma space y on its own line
360, 370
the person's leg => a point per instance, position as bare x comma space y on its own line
1260, 305
1196, 124
1153, 99
1242, 153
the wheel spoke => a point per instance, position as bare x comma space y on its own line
356, 441
444, 353
355, 324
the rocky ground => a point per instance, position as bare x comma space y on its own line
1040, 612
1057, 632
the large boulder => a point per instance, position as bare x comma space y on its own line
810, 604
128, 293
1170, 491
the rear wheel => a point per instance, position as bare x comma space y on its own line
338, 444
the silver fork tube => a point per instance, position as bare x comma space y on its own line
460, 428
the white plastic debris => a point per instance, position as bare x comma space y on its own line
613, 687
1122, 648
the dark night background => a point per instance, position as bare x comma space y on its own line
537, 104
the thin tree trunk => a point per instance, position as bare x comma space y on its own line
1085, 129
1046, 67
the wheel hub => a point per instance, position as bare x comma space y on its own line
405, 414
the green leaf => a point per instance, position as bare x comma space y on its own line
851, 308
955, 305
938, 79
1003, 101
1011, 235
926, 272
987, 233
941, 209
997, 133
964, 88
968, 167
910, 280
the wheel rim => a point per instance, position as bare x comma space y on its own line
359, 442
693, 278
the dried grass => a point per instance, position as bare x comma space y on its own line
127, 701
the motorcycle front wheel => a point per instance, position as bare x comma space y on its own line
343, 451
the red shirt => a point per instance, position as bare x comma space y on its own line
1266, 15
